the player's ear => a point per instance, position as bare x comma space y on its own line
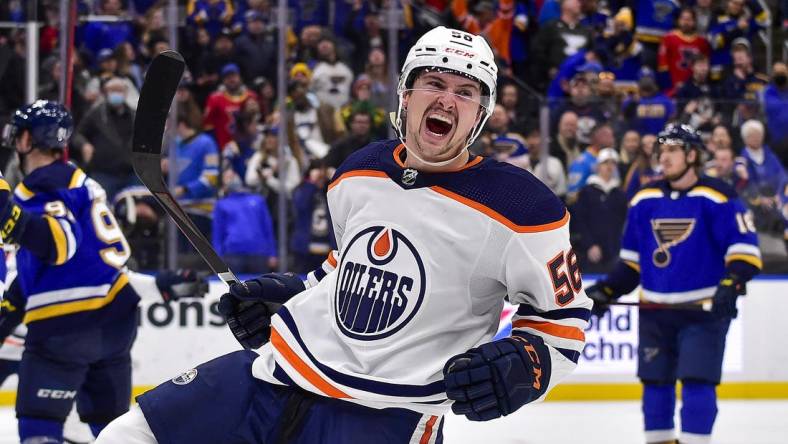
405, 99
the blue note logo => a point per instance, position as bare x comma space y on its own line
381, 284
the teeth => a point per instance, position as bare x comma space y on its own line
440, 117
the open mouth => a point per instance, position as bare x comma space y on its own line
439, 124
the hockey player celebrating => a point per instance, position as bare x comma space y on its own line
396, 326
687, 239
78, 305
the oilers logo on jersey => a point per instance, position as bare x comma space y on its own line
669, 233
381, 285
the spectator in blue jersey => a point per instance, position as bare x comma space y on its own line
766, 176
741, 19
653, 19
213, 15
775, 104
742, 85
651, 110
583, 167
243, 233
247, 136
598, 216
98, 35
197, 172
312, 237
644, 169
688, 239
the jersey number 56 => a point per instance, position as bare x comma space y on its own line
565, 274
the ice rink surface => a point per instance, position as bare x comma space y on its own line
739, 422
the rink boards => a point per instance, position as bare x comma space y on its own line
176, 337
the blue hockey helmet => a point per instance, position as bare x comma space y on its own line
680, 134
49, 123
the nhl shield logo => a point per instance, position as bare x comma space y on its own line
409, 176
381, 284
185, 377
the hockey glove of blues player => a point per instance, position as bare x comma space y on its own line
602, 295
183, 283
728, 290
13, 219
249, 305
497, 378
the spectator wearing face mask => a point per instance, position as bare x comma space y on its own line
104, 139
775, 103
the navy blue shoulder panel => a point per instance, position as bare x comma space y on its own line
508, 190
50, 178
718, 185
367, 158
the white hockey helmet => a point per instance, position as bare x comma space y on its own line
454, 51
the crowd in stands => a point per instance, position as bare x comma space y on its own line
610, 73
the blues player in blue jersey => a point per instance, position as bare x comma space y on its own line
688, 239
79, 307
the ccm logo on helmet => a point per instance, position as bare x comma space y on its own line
381, 284
461, 53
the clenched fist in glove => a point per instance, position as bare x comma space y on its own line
497, 378
249, 305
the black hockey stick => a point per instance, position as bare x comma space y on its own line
690, 306
158, 90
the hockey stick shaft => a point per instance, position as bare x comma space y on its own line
161, 83
705, 306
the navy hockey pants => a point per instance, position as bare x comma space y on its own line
221, 402
680, 345
92, 366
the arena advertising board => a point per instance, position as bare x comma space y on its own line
175, 337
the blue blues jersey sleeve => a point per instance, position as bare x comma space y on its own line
734, 230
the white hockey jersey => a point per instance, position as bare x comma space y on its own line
423, 265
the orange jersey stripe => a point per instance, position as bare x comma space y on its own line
302, 368
331, 259
560, 331
476, 160
501, 218
425, 438
358, 173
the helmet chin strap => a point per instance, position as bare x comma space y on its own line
435, 164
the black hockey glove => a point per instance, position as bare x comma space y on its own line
249, 305
183, 283
497, 378
728, 290
250, 322
270, 287
602, 295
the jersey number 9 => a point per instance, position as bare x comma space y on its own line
108, 231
